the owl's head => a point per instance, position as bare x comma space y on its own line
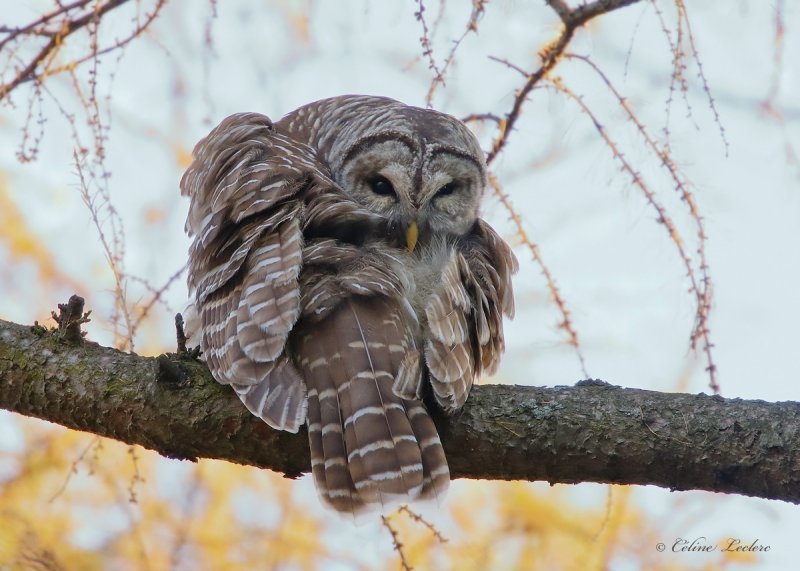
415, 167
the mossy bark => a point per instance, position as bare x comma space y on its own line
590, 432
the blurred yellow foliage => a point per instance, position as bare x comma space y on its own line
296, 14
516, 526
183, 156
130, 509
73, 501
154, 215
24, 245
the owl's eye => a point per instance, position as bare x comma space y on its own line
448, 189
381, 186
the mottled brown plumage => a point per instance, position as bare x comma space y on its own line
338, 267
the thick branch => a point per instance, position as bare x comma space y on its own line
592, 432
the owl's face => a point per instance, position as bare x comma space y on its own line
436, 186
425, 168
412, 166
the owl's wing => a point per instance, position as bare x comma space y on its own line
465, 315
245, 260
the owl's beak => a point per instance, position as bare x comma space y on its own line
412, 233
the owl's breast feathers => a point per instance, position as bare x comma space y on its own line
310, 325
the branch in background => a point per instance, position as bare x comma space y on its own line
555, 294
478, 8
592, 432
699, 279
57, 26
67, 23
51, 45
550, 56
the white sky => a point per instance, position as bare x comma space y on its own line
618, 272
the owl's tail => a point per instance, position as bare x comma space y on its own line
370, 448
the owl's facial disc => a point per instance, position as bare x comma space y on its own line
421, 192
452, 184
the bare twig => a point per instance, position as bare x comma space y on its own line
34, 26
117, 44
678, 74
477, 117
478, 7
397, 545
419, 519
779, 44
136, 478
100, 205
700, 287
94, 442
550, 55
701, 74
157, 294
425, 40
555, 293
48, 51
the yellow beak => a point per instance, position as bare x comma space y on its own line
412, 233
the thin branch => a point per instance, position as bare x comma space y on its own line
700, 287
157, 295
74, 468
550, 56
398, 547
555, 293
478, 7
69, 27
113, 249
702, 75
779, 45
116, 45
478, 117
31, 28
425, 41
419, 519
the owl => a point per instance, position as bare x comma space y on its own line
341, 277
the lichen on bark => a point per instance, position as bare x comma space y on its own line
590, 432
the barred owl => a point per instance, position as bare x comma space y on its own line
341, 276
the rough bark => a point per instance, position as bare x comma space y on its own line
590, 432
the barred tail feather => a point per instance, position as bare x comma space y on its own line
369, 447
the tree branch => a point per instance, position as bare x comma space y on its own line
592, 432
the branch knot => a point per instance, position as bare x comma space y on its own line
70, 318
